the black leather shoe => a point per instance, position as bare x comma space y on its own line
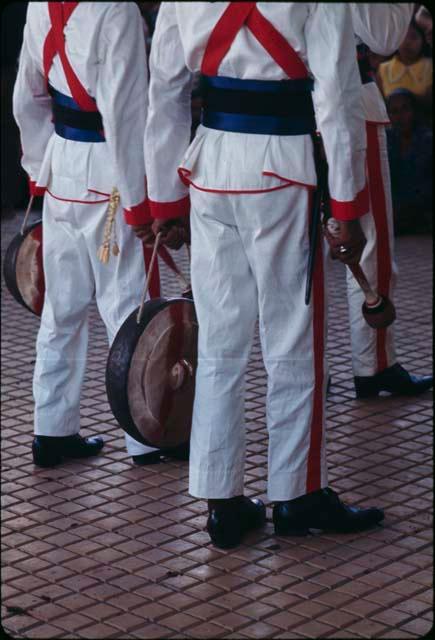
230, 519
324, 510
155, 457
145, 459
394, 379
49, 451
182, 452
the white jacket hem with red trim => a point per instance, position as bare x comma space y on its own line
112, 67
322, 35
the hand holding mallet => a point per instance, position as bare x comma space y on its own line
378, 311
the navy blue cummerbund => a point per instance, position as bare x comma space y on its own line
72, 123
270, 107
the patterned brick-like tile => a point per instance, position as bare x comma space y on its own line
102, 549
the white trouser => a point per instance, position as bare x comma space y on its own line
72, 234
373, 349
249, 256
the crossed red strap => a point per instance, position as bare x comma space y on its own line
233, 18
54, 44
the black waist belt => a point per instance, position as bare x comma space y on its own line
365, 69
271, 107
72, 123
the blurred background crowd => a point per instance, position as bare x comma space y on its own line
405, 79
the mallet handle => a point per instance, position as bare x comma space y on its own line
372, 298
148, 280
26, 215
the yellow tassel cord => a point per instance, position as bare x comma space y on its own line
110, 229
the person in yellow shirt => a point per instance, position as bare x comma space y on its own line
409, 68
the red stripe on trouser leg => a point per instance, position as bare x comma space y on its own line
154, 285
379, 211
316, 428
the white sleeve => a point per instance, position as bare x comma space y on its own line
32, 112
337, 101
121, 95
382, 26
169, 119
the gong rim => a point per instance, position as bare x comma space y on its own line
10, 266
118, 365
119, 362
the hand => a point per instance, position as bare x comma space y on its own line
175, 232
346, 239
144, 232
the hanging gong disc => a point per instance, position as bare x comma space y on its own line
23, 269
150, 374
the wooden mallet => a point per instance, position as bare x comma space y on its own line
378, 311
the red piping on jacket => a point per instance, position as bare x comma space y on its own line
184, 176
77, 201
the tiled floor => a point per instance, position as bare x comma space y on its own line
102, 549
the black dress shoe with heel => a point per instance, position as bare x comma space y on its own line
49, 451
324, 510
181, 452
229, 520
394, 379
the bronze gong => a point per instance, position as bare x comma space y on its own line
23, 268
150, 374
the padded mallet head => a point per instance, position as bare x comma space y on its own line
380, 315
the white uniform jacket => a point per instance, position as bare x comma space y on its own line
106, 46
382, 27
322, 36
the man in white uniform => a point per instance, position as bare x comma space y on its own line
80, 101
381, 27
250, 174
